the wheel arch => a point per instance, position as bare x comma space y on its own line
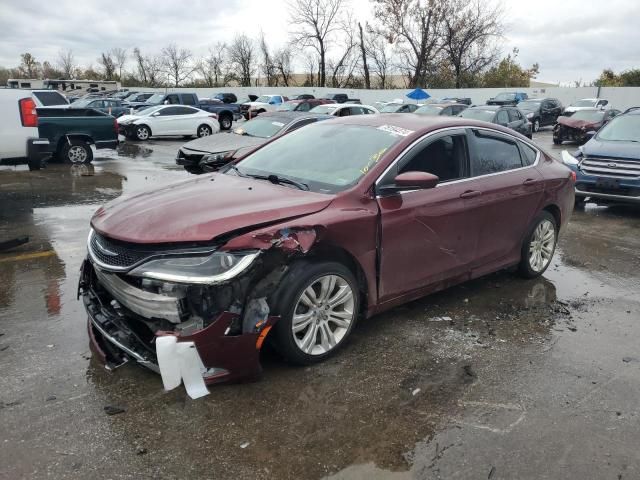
74, 136
142, 124
556, 212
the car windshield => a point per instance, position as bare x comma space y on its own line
155, 98
478, 114
588, 115
287, 107
328, 158
264, 127
428, 110
148, 111
625, 128
326, 109
505, 96
529, 105
263, 99
584, 103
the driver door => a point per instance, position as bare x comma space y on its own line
427, 236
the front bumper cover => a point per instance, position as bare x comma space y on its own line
225, 358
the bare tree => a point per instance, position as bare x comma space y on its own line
314, 22
268, 66
469, 29
211, 67
108, 65
242, 57
282, 61
149, 68
363, 53
29, 67
177, 63
378, 51
416, 27
312, 71
343, 67
66, 62
119, 59
141, 65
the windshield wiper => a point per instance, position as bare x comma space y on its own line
231, 166
281, 180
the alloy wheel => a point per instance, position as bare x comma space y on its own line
323, 315
536, 125
542, 245
225, 122
77, 154
142, 133
204, 131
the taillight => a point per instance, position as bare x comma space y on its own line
28, 114
573, 176
214, 115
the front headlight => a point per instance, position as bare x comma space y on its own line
217, 157
530, 115
206, 269
569, 159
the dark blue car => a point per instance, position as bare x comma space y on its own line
608, 165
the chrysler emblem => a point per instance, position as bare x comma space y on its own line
612, 165
105, 250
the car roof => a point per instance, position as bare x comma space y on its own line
410, 121
290, 116
489, 107
442, 105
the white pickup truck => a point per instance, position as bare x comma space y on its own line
19, 142
264, 103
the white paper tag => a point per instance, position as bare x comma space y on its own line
180, 362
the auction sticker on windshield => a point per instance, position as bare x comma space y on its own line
403, 132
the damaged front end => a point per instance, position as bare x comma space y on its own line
209, 301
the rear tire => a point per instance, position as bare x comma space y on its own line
325, 300
539, 246
204, 131
536, 125
76, 152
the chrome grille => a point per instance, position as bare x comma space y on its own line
115, 255
610, 167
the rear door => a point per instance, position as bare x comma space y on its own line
426, 235
508, 191
517, 121
187, 120
166, 122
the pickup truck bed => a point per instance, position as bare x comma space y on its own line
71, 132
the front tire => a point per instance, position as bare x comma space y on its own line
142, 133
204, 131
536, 125
539, 246
76, 152
318, 304
226, 121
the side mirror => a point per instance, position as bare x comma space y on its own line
155, 114
415, 181
589, 135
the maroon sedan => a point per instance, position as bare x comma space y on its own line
337, 221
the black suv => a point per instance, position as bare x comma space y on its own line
541, 112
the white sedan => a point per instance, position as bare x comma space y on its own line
168, 120
344, 109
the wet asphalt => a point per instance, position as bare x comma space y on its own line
500, 378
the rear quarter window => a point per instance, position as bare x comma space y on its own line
50, 99
529, 154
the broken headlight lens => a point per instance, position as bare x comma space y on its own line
202, 269
217, 157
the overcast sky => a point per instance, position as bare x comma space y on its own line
570, 39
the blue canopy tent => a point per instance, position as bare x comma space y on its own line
418, 94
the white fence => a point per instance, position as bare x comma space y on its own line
619, 97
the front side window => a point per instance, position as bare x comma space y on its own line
173, 99
444, 157
514, 115
502, 118
492, 154
304, 107
189, 100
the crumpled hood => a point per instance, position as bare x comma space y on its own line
576, 123
128, 118
605, 149
222, 142
201, 209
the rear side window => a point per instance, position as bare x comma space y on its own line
49, 99
503, 117
493, 155
189, 100
514, 115
529, 154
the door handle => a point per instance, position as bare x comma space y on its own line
471, 194
529, 181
